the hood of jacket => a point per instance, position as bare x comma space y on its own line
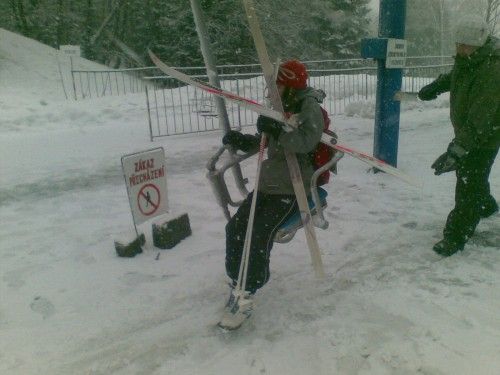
317, 94
293, 102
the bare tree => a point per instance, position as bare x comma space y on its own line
492, 13
489, 9
428, 27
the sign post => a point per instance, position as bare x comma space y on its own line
145, 178
71, 51
389, 49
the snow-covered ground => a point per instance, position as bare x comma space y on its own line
69, 305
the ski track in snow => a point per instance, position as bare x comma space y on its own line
376, 253
376, 250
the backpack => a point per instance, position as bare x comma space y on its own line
322, 154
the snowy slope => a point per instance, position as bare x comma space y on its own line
69, 305
32, 69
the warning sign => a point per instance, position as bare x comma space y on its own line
146, 183
148, 199
70, 50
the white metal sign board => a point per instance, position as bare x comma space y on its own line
70, 50
146, 182
396, 54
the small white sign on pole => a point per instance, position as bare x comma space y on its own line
146, 183
70, 50
396, 53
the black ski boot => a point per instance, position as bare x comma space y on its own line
488, 208
447, 247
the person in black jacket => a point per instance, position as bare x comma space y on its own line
474, 86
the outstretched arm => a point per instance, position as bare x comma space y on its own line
438, 86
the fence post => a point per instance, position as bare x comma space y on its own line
149, 115
73, 76
239, 108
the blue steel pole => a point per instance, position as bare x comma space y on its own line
387, 111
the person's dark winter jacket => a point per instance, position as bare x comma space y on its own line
475, 98
474, 85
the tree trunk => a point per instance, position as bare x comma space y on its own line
492, 13
17, 7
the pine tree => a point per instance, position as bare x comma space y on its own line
313, 29
428, 28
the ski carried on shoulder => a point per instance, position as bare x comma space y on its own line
240, 303
278, 116
244, 102
293, 166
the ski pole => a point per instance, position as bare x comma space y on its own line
245, 256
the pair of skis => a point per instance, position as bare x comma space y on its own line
276, 115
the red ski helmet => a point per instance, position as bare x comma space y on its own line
292, 73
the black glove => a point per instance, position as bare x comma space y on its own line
427, 93
450, 160
243, 142
269, 126
433, 89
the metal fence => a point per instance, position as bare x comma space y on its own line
175, 108
180, 109
98, 83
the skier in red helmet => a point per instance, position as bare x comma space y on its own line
276, 200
